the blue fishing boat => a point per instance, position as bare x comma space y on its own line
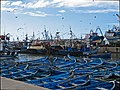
115, 75
108, 65
80, 71
4, 66
101, 55
103, 74
99, 85
115, 72
13, 70
94, 63
81, 60
58, 77
70, 83
24, 74
65, 62
116, 68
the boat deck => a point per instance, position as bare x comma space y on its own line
9, 84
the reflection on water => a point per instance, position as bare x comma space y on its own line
28, 57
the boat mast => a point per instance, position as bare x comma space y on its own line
71, 37
33, 37
46, 34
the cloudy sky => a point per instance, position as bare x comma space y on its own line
19, 17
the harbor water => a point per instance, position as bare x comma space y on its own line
29, 57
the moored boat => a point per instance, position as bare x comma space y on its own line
103, 55
8, 55
113, 35
70, 83
99, 85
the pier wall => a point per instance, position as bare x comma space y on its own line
109, 49
9, 84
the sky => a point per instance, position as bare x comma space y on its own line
20, 17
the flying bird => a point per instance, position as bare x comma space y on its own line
8, 11
62, 17
57, 32
80, 20
19, 29
113, 14
14, 10
118, 15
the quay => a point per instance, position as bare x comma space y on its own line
9, 84
111, 49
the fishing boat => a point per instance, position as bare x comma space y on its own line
34, 51
4, 65
13, 70
49, 79
108, 65
68, 83
74, 51
115, 73
103, 74
94, 37
113, 35
65, 62
99, 85
24, 74
94, 63
101, 55
8, 55
80, 71
116, 68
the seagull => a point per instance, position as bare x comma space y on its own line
80, 20
62, 17
8, 11
94, 16
19, 29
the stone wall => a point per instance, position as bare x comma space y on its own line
110, 49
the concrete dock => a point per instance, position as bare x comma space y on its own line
110, 49
9, 84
